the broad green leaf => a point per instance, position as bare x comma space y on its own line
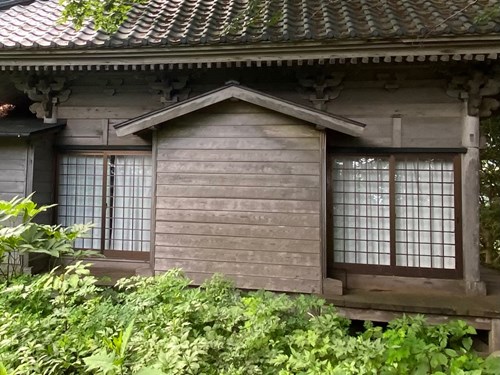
102, 361
150, 371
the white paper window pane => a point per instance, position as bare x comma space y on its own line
361, 194
424, 186
128, 199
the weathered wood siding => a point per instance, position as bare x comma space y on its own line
84, 132
412, 117
13, 168
238, 192
44, 175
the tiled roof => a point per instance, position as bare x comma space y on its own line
34, 25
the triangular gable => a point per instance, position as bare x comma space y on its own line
316, 117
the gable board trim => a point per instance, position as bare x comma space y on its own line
311, 115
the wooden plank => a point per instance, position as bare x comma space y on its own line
396, 131
208, 143
417, 131
233, 107
366, 110
82, 132
272, 168
12, 153
12, 187
431, 142
128, 140
230, 119
237, 243
96, 112
243, 131
238, 230
305, 156
237, 268
254, 282
494, 336
7, 196
344, 141
249, 205
285, 193
239, 217
13, 175
403, 95
13, 165
387, 316
238, 180
243, 256
82, 128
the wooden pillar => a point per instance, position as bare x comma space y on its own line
494, 336
470, 205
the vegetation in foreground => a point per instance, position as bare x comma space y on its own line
62, 323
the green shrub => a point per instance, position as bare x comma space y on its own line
20, 235
61, 323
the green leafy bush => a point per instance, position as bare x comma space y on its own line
62, 323
20, 235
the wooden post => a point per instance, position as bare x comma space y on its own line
494, 336
396, 131
470, 205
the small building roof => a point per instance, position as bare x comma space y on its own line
233, 91
23, 128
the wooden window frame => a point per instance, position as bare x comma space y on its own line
334, 268
105, 154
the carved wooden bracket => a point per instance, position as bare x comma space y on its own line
170, 89
321, 88
391, 80
46, 90
480, 89
110, 85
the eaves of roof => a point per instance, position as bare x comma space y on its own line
357, 51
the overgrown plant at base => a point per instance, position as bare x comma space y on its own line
61, 323
20, 236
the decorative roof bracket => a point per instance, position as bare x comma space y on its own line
480, 89
321, 88
46, 90
170, 89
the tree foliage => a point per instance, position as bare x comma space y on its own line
490, 192
106, 15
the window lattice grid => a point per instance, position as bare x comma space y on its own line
80, 195
361, 210
425, 213
126, 205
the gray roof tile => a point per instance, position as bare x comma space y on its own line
34, 25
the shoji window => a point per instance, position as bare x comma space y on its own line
396, 213
113, 191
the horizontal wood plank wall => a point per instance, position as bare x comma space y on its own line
13, 167
95, 132
429, 117
238, 192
